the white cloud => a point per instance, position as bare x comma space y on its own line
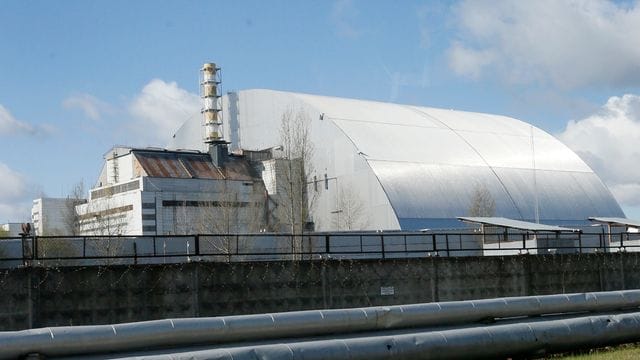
609, 142
91, 106
13, 183
565, 43
469, 62
9, 125
160, 109
15, 200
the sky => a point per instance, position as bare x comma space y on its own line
78, 77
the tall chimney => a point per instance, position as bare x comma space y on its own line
212, 113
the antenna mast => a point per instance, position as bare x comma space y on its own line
535, 180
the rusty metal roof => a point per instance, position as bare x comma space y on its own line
191, 165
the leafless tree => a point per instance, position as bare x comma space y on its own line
70, 215
297, 149
181, 223
231, 213
350, 213
108, 219
294, 200
3, 233
59, 246
483, 205
220, 218
3, 251
482, 202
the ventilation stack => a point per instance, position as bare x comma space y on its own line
212, 112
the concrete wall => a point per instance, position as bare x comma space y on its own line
38, 297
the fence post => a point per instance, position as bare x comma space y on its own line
446, 238
433, 245
293, 251
327, 244
197, 244
34, 243
405, 245
24, 248
135, 253
580, 242
381, 245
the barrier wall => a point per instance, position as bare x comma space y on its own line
38, 297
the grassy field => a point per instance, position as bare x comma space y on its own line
622, 352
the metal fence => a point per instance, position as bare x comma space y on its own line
105, 250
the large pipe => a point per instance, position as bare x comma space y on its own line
162, 333
498, 341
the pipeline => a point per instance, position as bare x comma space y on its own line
488, 342
66, 341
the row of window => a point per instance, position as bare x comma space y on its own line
205, 203
111, 190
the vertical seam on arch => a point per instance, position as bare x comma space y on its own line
504, 187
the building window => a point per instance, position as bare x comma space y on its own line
149, 228
111, 190
172, 203
148, 216
148, 205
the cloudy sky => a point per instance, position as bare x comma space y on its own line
77, 77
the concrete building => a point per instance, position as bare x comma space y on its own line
161, 192
52, 216
11, 229
390, 166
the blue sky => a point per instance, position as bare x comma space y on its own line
77, 77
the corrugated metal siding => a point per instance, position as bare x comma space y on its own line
192, 166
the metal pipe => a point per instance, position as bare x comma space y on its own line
532, 338
162, 333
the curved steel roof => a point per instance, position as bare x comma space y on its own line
431, 161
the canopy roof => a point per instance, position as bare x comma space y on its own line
516, 224
616, 221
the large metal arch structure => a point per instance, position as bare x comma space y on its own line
417, 167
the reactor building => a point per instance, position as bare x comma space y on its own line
262, 160
385, 166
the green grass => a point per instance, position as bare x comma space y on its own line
621, 352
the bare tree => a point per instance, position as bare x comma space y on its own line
70, 215
57, 246
294, 203
482, 202
233, 212
294, 200
483, 205
220, 218
108, 219
3, 251
181, 223
350, 213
